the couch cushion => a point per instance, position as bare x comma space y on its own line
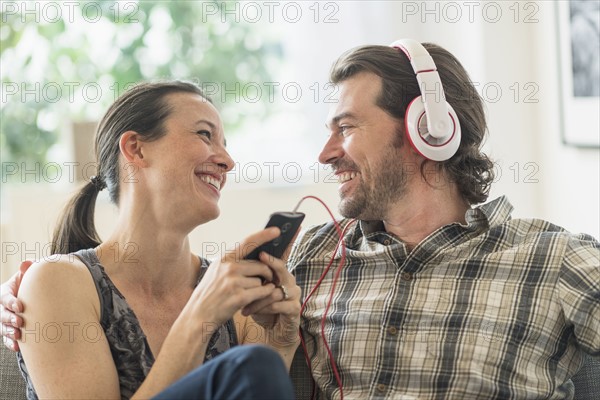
587, 380
13, 384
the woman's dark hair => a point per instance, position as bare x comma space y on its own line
469, 168
143, 109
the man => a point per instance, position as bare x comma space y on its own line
435, 297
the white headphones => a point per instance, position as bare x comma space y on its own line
431, 124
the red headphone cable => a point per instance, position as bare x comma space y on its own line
341, 243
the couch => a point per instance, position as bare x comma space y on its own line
12, 385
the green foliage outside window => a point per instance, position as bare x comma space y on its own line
52, 67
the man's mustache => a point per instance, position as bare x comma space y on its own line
342, 165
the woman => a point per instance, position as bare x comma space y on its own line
131, 316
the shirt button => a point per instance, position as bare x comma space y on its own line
406, 276
381, 387
392, 330
387, 242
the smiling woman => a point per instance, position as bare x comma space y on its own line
192, 157
149, 320
140, 116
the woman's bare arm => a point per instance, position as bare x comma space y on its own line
64, 347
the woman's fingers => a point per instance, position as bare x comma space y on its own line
257, 293
281, 307
234, 282
281, 274
10, 344
7, 317
9, 305
258, 271
11, 320
11, 332
9, 289
290, 304
282, 278
252, 242
234, 263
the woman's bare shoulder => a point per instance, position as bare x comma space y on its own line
58, 278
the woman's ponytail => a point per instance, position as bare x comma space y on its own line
76, 229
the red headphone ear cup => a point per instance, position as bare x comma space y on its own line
415, 124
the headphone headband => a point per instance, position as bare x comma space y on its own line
439, 124
419, 57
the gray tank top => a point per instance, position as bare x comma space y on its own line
128, 345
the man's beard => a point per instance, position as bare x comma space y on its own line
371, 200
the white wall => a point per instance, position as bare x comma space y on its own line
524, 137
570, 191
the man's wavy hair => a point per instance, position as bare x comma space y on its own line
469, 168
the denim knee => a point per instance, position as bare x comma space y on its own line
259, 359
243, 373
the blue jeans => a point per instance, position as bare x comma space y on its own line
244, 372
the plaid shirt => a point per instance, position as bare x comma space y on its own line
497, 308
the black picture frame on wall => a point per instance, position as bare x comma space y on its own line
578, 30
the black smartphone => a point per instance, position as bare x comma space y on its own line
288, 223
